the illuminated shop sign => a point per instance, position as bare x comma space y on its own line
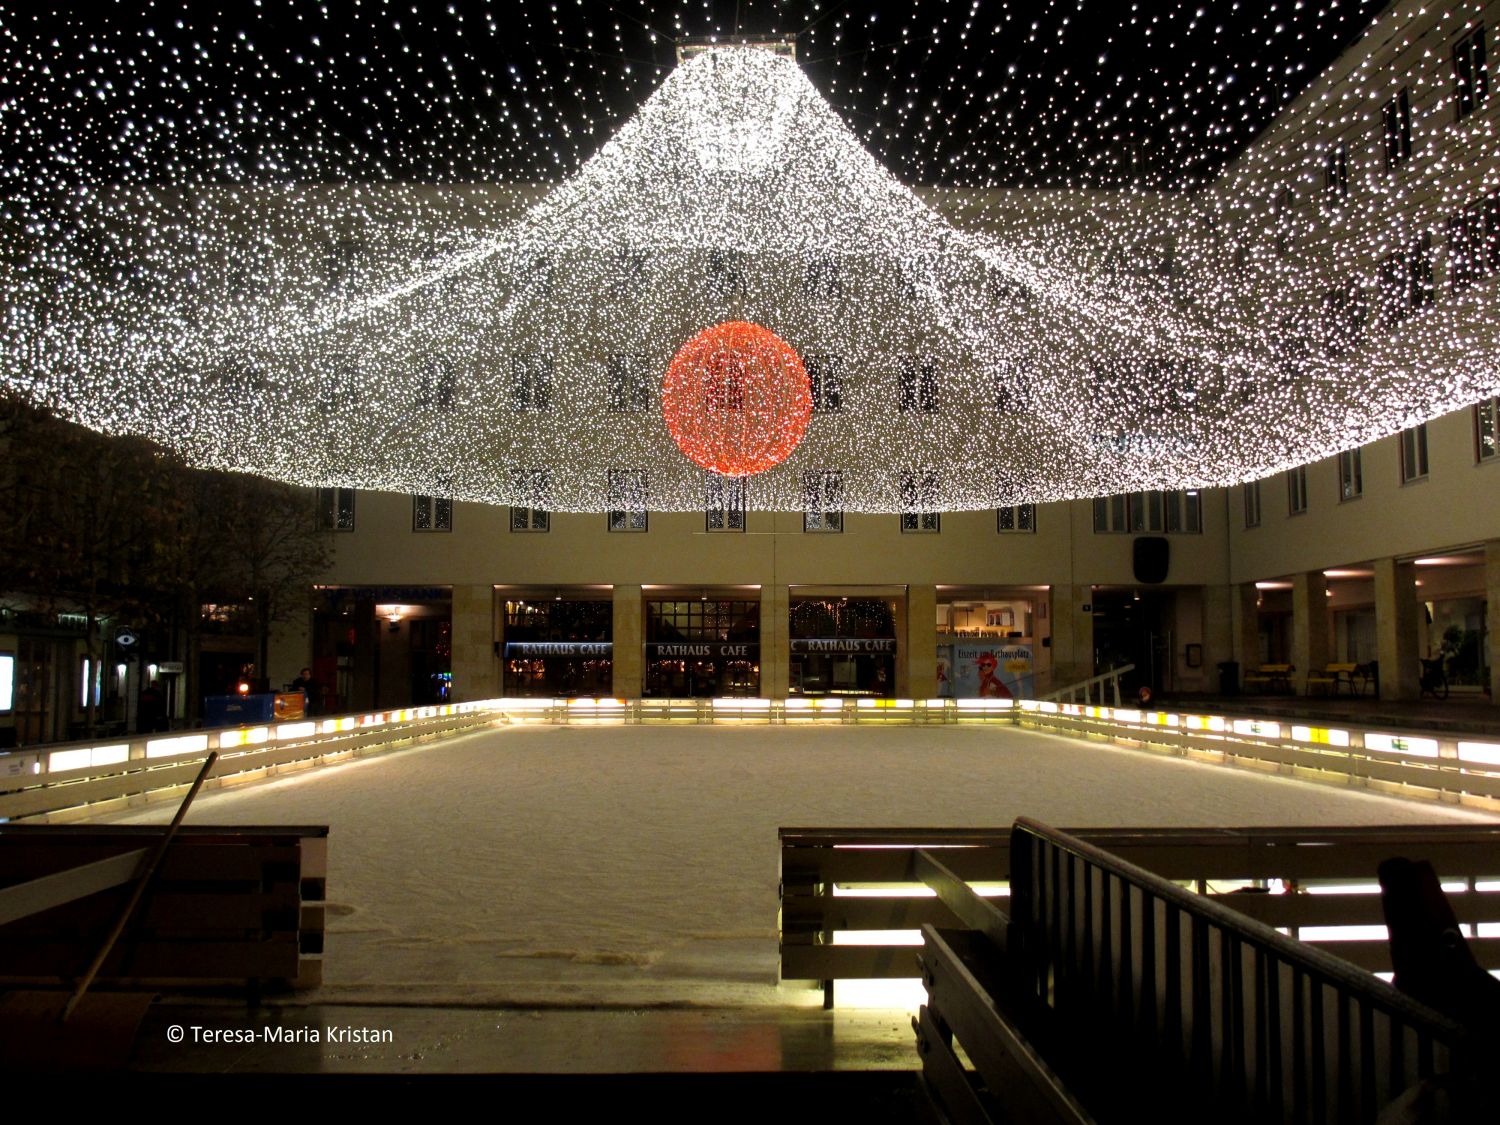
703, 650
515, 650
843, 646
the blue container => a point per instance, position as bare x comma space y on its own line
237, 710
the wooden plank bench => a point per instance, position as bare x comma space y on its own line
845, 880
228, 906
1272, 677
1332, 677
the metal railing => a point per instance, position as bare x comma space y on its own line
1245, 1015
1090, 687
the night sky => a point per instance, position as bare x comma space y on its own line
963, 93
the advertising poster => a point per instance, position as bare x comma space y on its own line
979, 670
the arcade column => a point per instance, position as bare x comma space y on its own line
775, 641
476, 669
921, 642
1245, 606
1310, 626
1218, 632
1492, 613
628, 655
1396, 629
1072, 635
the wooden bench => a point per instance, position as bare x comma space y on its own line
820, 867
1332, 677
1272, 677
228, 906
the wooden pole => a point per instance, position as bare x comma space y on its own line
140, 889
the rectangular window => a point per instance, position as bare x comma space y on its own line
1296, 490
530, 519
823, 277
1336, 176
1343, 318
724, 502
1395, 118
1487, 430
629, 377
431, 513
1252, 503
919, 497
1009, 386
1474, 243
531, 492
1284, 219
341, 267
1471, 80
919, 384
1110, 514
726, 273
627, 500
1405, 282
1171, 512
531, 381
338, 388
1351, 475
1016, 517
823, 500
629, 267
335, 509
1414, 453
825, 375
438, 386
535, 274
1184, 512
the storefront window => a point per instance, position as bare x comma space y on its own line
843, 646
702, 647
984, 646
559, 647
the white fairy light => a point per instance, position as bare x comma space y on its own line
214, 238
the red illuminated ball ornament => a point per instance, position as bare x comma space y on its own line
736, 399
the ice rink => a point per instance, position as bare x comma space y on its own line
533, 864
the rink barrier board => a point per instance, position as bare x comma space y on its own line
160, 766
1445, 766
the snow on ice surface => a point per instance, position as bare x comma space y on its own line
589, 863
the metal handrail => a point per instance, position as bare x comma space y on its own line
1249, 1015
1112, 678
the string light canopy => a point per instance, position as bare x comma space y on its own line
1016, 252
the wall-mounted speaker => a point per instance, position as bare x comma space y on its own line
1152, 556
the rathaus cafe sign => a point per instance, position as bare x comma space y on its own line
701, 650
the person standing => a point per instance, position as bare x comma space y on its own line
150, 711
311, 691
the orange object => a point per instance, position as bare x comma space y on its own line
736, 399
289, 705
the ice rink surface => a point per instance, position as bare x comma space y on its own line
535, 863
